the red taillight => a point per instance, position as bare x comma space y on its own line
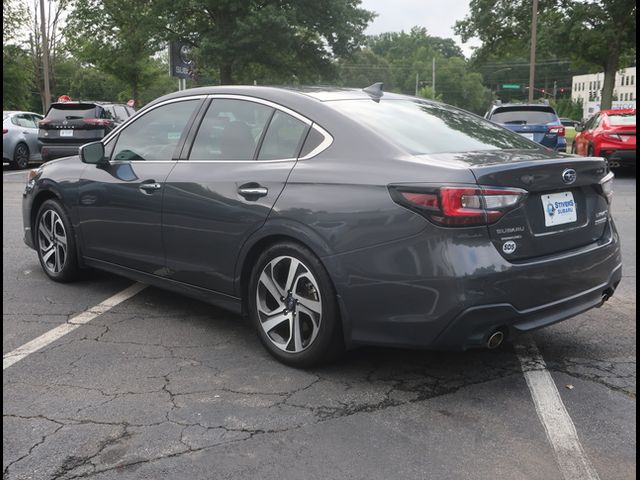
557, 130
459, 206
5, 131
97, 121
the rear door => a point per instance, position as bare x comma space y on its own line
28, 125
120, 203
225, 187
565, 207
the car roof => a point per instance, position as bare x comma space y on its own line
524, 105
15, 112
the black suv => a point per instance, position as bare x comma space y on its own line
68, 125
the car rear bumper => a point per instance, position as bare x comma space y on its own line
50, 152
473, 327
621, 158
452, 293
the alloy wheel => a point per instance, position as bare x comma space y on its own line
21, 156
52, 241
289, 304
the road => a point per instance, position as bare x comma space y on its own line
162, 386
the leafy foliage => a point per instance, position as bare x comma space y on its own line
277, 38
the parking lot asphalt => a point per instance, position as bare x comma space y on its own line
162, 386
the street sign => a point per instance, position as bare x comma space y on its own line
181, 64
510, 86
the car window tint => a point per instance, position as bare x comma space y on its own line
230, 130
284, 137
155, 135
519, 116
71, 111
313, 140
25, 121
422, 127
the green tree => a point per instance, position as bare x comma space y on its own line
602, 32
427, 92
16, 78
283, 37
364, 68
118, 37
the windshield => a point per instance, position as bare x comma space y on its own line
622, 119
71, 111
524, 116
421, 127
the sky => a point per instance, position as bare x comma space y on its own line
437, 16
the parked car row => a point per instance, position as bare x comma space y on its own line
30, 137
336, 218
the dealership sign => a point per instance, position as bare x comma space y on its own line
181, 64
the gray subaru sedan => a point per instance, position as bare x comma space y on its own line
334, 218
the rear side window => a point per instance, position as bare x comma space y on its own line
283, 139
24, 120
72, 111
121, 113
230, 130
524, 116
421, 127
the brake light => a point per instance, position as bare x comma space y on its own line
559, 130
97, 121
459, 206
606, 184
613, 136
5, 131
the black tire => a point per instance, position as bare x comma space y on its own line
21, 156
326, 342
59, 261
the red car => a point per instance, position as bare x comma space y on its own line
610, 134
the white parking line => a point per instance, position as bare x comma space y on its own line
561, 432
8, 174
45, 339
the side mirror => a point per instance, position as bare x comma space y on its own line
579, 127
92, 153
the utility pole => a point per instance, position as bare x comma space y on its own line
555, 88
532, 60
417, 78
433, 77
45, 58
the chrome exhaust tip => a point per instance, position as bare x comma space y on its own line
495, 339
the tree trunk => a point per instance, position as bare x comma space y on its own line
610, 69
225, 74
134, 89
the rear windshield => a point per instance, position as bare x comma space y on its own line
622, 119
524, 116
73, 111
420, 127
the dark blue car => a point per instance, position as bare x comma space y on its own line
537, 122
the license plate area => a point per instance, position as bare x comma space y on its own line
528, 135
66, 133
559, 208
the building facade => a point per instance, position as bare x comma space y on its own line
588, 90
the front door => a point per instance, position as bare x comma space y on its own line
120, 202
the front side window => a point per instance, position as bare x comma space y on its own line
283, 139
230, 130
156, 134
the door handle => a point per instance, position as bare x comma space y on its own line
252, 191
150, 187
